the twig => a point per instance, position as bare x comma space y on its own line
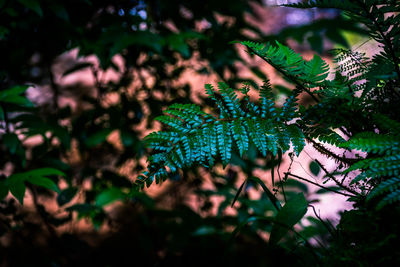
335, 180
324, 187
322, 221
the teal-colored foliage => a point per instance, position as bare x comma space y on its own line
352, 108
193, 136
390, 188
307, 73
365, 88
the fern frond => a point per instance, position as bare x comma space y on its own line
389, 189
389, 185
193, 136
311, 73
375, 143
389, 199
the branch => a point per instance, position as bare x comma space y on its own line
324, 187
325, 151
336, 181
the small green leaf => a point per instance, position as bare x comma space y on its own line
66, 195
288, 216
314, 168
44, 182
98, 137
108, 196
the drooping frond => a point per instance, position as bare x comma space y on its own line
390, 189
194, 137
305, 73
383, 163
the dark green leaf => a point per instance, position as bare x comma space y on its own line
290, 214
314, 168
33, 5
127, 138
82, 209
297, 184
13, 91
12, 142
108, 196
44, 172
98, 137
66, 195
17, 189
59, 10
337, 37
18, 100
316, 43
44, 182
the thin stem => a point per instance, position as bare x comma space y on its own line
335, 180
321, 186
328, 227
325, 151
280, 179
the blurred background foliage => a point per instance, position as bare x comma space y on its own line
81, 82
